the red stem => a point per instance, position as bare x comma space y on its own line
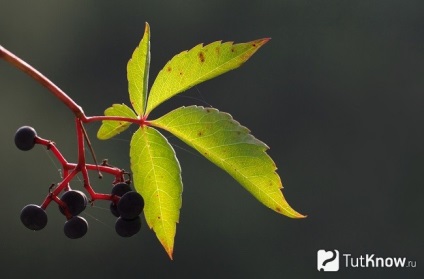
58, 93
80, 142
59, 188
83, 167
139, 121
70, 166
51, 146
70, 170
53, 88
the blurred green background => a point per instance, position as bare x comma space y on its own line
337, 94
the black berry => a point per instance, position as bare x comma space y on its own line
76, 227
127, 228
130, 205
25, 138
119, 190
114, 209
76, 202
33, 217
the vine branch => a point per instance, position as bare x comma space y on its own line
59, 93
53, 88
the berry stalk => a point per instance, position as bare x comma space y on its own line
125, 204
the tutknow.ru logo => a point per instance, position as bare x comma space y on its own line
330, 261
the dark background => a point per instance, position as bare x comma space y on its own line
337, 94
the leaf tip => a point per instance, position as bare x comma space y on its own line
101, 136
169, 248
170, 253
289, 212
260, 42
146, 27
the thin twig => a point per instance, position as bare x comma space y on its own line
90, 147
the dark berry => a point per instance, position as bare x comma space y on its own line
25, 138
76, 202
119, 190
114, 209
34, 217
76, 227
130, 205
127, 228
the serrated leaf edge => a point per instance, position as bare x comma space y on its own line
286, 210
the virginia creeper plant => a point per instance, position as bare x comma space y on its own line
155, 170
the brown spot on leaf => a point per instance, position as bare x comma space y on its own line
233, 49
278, 209
169, 69
181, 73
254, 45
202, 57
218, 50
208, 110
200, 133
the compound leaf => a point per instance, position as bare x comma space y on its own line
197, 65
110, 128
138, 73
157, 177
216, 135
230, 146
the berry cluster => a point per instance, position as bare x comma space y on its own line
125, 203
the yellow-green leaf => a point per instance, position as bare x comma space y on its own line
138, 73
110, 128
197, 65
230, 146
157, 177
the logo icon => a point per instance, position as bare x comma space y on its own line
328, 260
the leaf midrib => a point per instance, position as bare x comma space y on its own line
157, 190
195, 81
222, 160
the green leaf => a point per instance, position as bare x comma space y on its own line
138, 73
111, 128
230, 146
197, 65
157, 177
